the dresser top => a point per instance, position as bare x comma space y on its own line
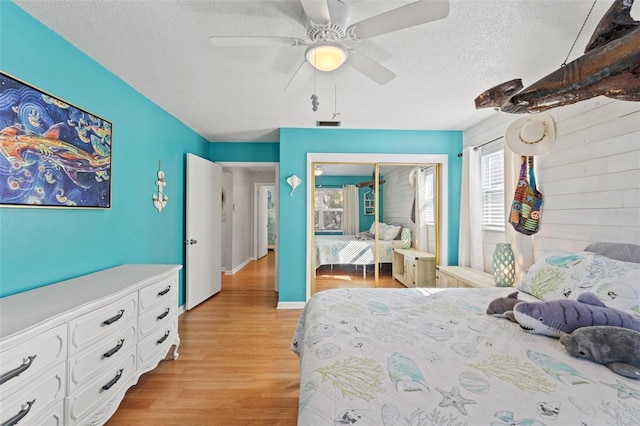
29, 308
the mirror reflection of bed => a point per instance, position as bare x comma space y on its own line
345, 235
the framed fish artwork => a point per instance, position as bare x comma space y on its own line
52, 153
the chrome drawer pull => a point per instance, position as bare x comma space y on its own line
114, 318
113, 381
15, 419
17, 371
114, 350
163, 338
164, 314
165, 291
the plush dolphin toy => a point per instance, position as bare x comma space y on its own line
502, 307
557, 317
617, 348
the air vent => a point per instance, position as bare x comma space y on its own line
328, 123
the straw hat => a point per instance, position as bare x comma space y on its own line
532, 135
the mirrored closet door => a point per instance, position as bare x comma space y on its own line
362, 214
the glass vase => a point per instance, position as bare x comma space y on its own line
405, 237
504, 269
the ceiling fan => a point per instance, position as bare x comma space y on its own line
329, 33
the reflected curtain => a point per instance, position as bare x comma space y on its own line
470, 251
424, 207
351, 210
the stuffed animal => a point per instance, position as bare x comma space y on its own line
557, 317
502, 307
617, 348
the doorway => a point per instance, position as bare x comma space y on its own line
385, 166
241, 184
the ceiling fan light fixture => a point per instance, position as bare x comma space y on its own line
326, 56
318, 171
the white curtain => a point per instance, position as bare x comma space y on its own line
351, 210
521, 244
470, 251
424, 207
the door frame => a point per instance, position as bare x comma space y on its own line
442, 160
276, 167
256, 199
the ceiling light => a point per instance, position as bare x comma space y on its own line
326, 56
318, 171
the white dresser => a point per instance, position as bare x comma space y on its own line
69, 351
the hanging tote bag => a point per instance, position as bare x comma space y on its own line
527, 201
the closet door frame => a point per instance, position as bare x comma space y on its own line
441, 160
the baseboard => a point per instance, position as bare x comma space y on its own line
239, 267
182, 309
290, 305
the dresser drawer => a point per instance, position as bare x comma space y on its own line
28, 402
50, 416
155, 293
20, 364
84, 366
86, 400
93, 326
156, 316
154, 348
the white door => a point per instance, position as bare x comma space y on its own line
204, 230
264, 195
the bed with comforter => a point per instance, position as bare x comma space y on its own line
350, 250
434, 357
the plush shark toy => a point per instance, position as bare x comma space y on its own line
502, 307
557, 317
617, 348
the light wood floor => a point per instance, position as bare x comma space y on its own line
235, 366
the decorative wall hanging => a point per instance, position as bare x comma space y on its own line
160, 201
609, 67
52, 154
526, 206
293, 181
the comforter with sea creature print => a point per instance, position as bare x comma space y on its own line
396, 357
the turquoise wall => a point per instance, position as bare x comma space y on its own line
365, 221
294, 145
40, 246
247, 152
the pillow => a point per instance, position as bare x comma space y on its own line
616, 283
617, 251
381, 227
390, 232
555, 276
364, 236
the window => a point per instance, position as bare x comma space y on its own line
492, 164
328, 210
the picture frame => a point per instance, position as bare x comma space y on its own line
52, 153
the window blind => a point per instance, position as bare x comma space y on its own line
492, 165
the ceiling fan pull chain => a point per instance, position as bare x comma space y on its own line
579, 32
314, 97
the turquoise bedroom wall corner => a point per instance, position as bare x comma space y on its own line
41, 246
295, 143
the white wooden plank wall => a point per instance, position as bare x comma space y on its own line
590, 179
398, 196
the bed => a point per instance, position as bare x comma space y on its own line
351, 250
434, 357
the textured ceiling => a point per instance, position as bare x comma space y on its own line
162, 49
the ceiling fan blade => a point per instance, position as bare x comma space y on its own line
300, 78
413, 14
317, 11
369, 68
253, 41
